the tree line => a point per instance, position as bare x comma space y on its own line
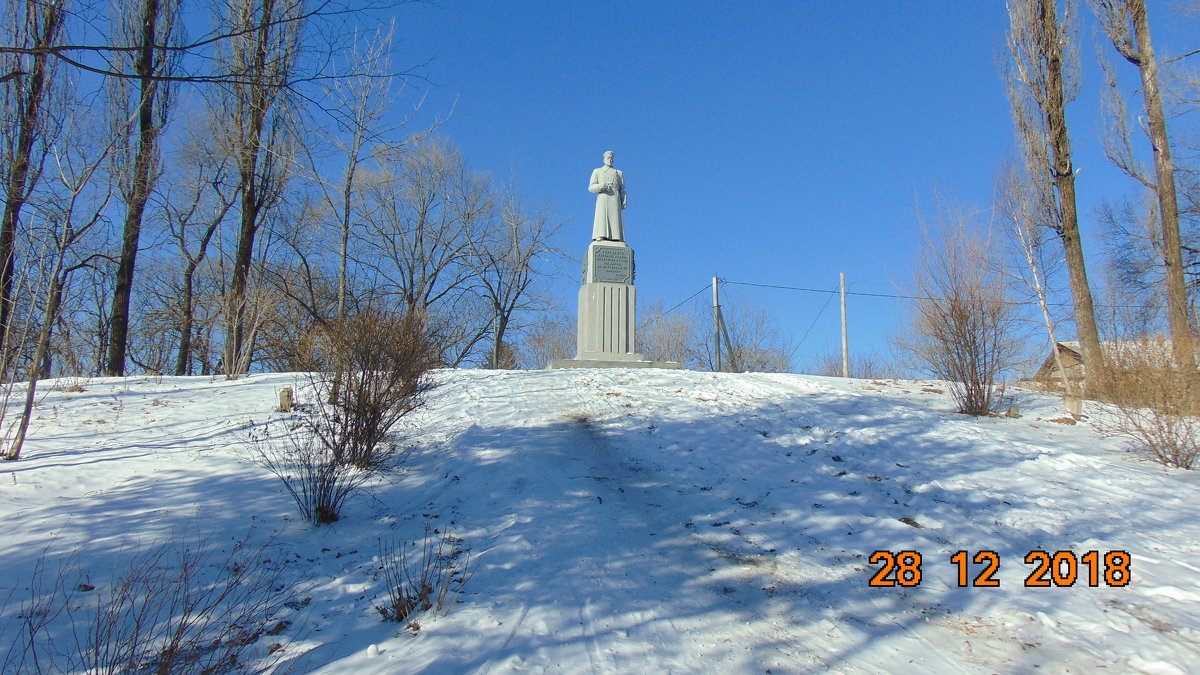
190, 187
1138, 341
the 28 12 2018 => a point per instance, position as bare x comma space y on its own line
1056, 569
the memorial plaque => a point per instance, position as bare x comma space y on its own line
612, 264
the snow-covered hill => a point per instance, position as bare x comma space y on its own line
650, 521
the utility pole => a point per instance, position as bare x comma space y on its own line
845, 337
716, 325
495, 342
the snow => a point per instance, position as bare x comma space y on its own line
646, 521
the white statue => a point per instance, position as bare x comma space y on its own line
608, 184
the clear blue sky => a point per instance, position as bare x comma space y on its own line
769, 142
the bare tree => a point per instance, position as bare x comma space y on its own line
195, 205
252, 53
551, 337
1128, 28
962, 328
1042, 79
1134, 255
670, 335
34, 26
425, 213
65, 223
101, 53
263, 50
361, 101
150, 26
754, 341
868, 365
506, 262
751, 338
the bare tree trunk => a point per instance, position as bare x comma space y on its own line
1168, 205
1038, 44
343, 252
44, 20
183, 358
236, 341
1126, 24
265, 54
155, 19
43, 346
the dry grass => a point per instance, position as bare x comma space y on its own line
1154, 403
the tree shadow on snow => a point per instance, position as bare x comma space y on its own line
741, 537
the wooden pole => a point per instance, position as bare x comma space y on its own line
716, 325
730, 356
495, 341
845, 337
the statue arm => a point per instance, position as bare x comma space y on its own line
594, 184
624, 194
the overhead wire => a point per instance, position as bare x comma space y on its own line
913, 297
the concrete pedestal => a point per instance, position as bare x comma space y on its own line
608, 312
607, 322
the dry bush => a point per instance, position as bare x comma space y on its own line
552, 337
366, 372
864, 365
962, 329
175, 609
318, 482
431, 582
1154, 403
672, 336
753, 342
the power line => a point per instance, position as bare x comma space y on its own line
658, 318
833, 292
814, 322
681, 304
915, 297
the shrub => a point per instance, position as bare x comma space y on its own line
962, 326
428, 583
1154, 403
318, 481
366, 372
174, 609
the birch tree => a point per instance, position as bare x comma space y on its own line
1042, 80
1023, 209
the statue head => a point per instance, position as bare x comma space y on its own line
608, 157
